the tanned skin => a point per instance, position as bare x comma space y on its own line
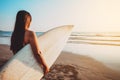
31, 38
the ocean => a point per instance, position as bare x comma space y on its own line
108, 38
102, 46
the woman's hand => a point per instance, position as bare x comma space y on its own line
46, 69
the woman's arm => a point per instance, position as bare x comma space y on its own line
37, 52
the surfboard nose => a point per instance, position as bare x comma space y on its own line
66, 27
70, 26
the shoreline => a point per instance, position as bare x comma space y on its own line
80, 67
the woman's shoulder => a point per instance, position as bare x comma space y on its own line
30, 33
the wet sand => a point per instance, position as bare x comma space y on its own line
70, 66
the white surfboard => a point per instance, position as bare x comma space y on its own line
23, 65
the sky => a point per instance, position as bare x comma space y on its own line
85, 15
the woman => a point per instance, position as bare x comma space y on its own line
22, 36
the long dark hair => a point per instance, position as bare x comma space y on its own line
17, 37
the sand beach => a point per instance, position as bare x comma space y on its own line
70, 66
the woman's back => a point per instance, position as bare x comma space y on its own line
26, 37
